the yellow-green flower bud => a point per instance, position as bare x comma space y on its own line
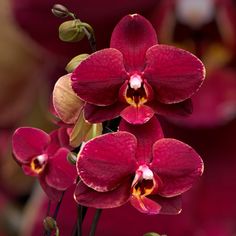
74, 62
72, 157
49, 224
71, 31
152, 234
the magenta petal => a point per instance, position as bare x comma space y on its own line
215, 103
137, 115
59, 138
60, 173
169, 206
145, 205
133, 35
173, 73
52, 193
28, 170
29, 142
91, 198
177, 164
146, 134
105, 161
97, 79
98, 114
180, 109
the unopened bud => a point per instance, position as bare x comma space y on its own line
71, 31
74, 62
152, 234
49, 224
60, 11
71, 158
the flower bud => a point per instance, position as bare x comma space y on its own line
74, 62
152, 234
71, 158
71, 31
49, 224
60, 11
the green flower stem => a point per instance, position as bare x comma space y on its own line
95, 222
89, 32
82, 210
55, 214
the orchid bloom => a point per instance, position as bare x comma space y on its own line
136, 77
69, 108
41, 155
141, 167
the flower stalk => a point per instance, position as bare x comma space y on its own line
95, 222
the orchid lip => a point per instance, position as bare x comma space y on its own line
136, 93
144, 182
38, 163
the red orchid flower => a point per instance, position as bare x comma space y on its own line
144, 168
43, 156
136, 77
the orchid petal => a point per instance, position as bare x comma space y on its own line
29, 142
137, 115
180, 109
52, 193
102, 163
65, 101
97, 114
215, 103
59, 138
60, 173
177, 164
88, 197
173, 73
29, 171
98, 78
146, 135
145, 205
133, 35
169, 206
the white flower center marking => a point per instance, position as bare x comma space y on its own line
135, 81
147, 174
41, 159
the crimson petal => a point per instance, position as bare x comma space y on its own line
173, 73
146, 134
180, 109
98, 114
177, 164
60, 173
52, 193
215, 103
145, 205
29, 142
169, 206
133, 35
105, 161
91, 198
137, 115
97, 79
